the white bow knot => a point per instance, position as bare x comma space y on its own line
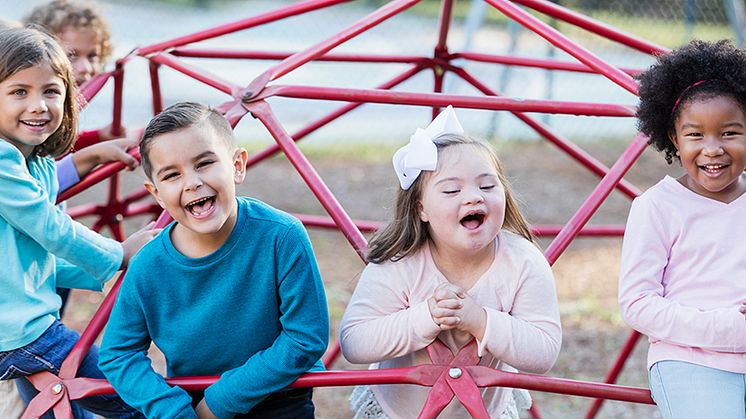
421, 153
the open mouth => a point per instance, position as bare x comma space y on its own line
36, 124
472, 221
713, 168
201, 207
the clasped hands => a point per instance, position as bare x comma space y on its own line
452, 308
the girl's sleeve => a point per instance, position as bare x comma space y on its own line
380, 323
27, 207
645, 255
529, 336
67, 174
124, 360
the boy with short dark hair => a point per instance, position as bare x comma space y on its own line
231, 288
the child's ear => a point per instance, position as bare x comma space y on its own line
154, 191
240, 157
423, 215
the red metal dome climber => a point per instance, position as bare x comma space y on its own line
448, 375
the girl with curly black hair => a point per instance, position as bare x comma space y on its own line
683, 273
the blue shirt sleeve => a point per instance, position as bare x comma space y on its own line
303, 340
123, 358
28, 207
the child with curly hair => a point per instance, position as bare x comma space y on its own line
683, 267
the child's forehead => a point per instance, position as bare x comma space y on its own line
194, 140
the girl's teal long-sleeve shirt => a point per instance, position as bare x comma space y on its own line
41, 248
254, 312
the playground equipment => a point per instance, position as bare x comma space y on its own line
449, 375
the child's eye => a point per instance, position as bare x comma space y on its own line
18, 92
487, 187
730, 133
52, 91
169, 176
204, 163
451, 191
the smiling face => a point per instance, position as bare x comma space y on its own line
711, 140
32, 102
194, 177
463, 201
84, 51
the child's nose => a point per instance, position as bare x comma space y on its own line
38, 105
193, 182
474, 197
713, 147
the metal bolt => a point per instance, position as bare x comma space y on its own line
119, 218
57, 388
454, 372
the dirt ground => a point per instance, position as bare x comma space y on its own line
550, 186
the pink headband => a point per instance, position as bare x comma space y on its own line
678, 99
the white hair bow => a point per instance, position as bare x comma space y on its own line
421, 153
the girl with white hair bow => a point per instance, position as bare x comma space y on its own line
456, 263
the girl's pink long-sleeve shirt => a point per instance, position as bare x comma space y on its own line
388, 321
683, 276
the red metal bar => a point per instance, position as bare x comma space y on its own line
90, 88
273, 55
485, 376
116, 122
561, 41
458, 101
599, 194
599, 28
541, 230
296, 60
155, 86
565, 145
444, 23
93, 178
281, 13
197, 74
627, 349
331, 355
262, 111
543, 63
271, 150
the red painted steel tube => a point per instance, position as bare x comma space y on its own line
155, 87
263, 112
485, 376
543, 63
596, 198
274, 55
281, 13
444, 23
390, 84
577, 153
296, 60
326, 222
197, 74
458, 101
602, 29
116, 122
561, 41
539, 230
93, 178
611, 378
90, 88
423, 375
331, 355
